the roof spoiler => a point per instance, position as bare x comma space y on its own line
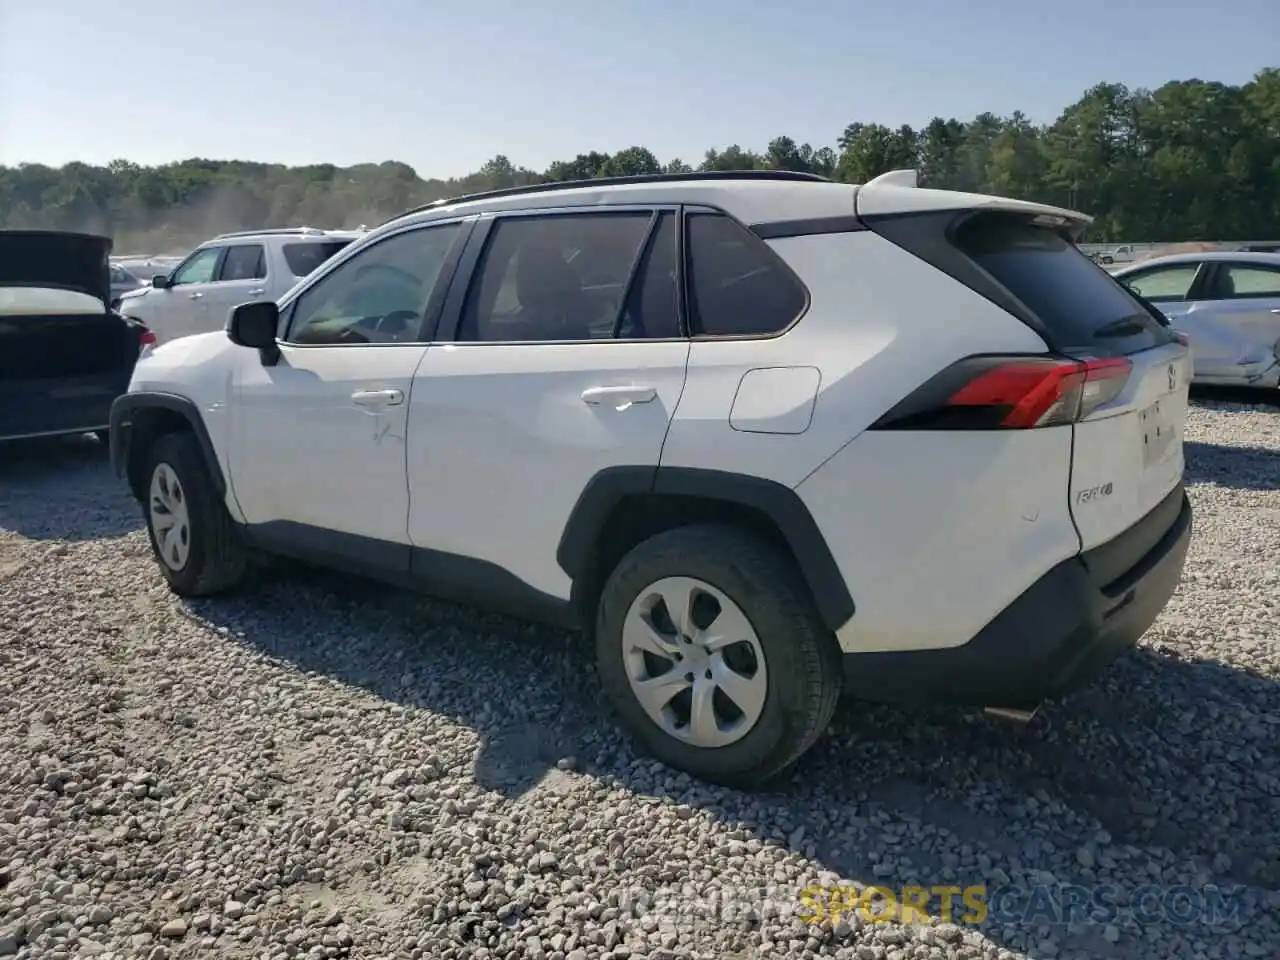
895, 178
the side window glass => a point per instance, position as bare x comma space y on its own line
1248, 280
303, 258
559, 277
198, 269
244, 262
737, 285
378, 296
1164, 284
653, 305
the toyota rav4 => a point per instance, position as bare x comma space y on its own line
764, 437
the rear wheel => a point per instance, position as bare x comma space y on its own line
711, 652
192, 536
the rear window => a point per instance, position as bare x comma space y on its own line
305, 257
1080, 304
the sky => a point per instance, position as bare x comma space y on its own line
444, 85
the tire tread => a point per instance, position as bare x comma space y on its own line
746, 558
220, 555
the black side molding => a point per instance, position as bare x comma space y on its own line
138, 417
779, 229
779, 504
434, 573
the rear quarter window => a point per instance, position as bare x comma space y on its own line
738, 287
1083, 308
303, 258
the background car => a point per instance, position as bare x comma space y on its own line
122, 281
64, 354
1228, 304
196, 295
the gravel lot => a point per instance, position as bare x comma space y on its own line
324, 768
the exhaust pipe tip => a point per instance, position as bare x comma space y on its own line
1012, 714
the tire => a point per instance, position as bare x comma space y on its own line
802, 666
215, 558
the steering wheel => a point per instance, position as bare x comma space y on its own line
405, 319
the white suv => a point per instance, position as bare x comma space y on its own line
198, 294
764, 436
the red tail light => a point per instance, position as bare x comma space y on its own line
1182, 338
146, 338
1009, 393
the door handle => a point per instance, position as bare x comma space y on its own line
255, 292
618, 396
377, 398
1277, 310
194, 296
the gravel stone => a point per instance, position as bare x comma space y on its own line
323, 768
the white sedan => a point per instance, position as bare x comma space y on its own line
1228, 305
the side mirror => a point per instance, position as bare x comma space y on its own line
254, 325
160, 281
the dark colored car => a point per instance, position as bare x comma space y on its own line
65, 355
122, 281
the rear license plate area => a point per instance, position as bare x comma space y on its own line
1158, 431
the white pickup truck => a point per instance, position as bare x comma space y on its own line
1124, 253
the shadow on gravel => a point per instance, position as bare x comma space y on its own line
1241, 466
63, 489
1171, 758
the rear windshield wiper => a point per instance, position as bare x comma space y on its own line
1124, 327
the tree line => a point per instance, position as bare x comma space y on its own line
1192, 160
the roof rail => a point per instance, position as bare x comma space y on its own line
551, 185
273, 231
895, 178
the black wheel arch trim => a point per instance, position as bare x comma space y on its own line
779, 503
124, 414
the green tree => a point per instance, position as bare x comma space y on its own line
1190, 160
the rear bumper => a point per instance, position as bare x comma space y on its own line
57, 407
1057, 636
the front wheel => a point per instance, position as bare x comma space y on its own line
192, 536
710, 650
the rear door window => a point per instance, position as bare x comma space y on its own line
304, 257
1083, 308
560, 277
244, 262
1240, 281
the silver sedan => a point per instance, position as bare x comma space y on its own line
1228, 305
